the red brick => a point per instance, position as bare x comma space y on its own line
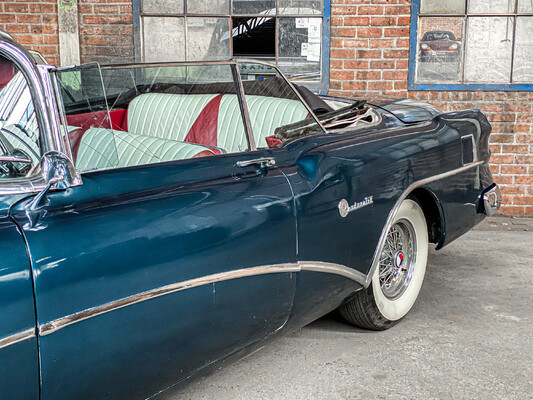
368, 75
354, 85
369, 32
503, 159
509, 190
396, 32
382, 64
16, 8
343, 32
384, 21
93, 19
356, 64
7, 18
395, 75
523, 200
524, 138
380, 85
513, 169
370, 10
510, 210
396, 54
368, 54
356, 21
381, 43
524, 159
503, 117
398, 10
342, 53
524, 180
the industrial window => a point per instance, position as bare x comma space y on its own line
471, 44
293, 34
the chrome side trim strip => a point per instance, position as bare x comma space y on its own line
17, 338
410, 188
315, 266
63, 322
330, 268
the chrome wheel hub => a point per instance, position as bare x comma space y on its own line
398, 258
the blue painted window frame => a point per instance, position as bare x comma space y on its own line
412, 85
317, 87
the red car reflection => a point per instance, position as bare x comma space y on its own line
440, 46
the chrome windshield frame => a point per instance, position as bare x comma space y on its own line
234, 63
49, 141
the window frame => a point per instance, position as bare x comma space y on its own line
321, 87
412, 85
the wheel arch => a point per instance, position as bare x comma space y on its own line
433, 213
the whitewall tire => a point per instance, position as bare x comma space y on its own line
397, 280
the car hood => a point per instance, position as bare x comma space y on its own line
407, 110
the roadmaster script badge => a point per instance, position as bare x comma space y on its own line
345, 208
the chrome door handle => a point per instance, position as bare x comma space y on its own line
264, 162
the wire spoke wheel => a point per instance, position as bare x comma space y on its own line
398, 276
398, 259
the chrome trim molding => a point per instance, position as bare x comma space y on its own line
314, 266
63, 322
410, 188
492, 200
17, 338
330, 268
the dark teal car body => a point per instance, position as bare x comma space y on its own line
125, 281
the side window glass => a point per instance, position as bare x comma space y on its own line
19, 131
128, 116
277, 114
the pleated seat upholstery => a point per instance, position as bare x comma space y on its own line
102, 148
171, 116
163, 115
165, 127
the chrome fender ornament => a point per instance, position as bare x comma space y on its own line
345, 208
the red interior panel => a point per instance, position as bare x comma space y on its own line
204, 129
99, 120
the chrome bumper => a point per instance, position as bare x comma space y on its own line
491, 200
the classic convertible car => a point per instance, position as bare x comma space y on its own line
157, 219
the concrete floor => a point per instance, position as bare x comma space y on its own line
470, 336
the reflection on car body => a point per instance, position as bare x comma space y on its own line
177, 215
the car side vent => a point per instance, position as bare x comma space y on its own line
467, 148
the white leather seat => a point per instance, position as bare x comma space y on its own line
163, 115
102, 148
171, 116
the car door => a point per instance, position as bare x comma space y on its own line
19, 177
146, 274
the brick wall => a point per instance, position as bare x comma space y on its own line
33, 24
105, 27
370, 57
106, 31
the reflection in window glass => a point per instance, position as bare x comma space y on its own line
162, 6
443, 6
207, 7
205, 38
488, 55
525, 6
523, 61
254, 37
19, 130
295, 7
156, 34
440, 49
491, 6
276, 112
299, 53
264, 7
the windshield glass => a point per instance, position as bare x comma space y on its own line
177, 106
